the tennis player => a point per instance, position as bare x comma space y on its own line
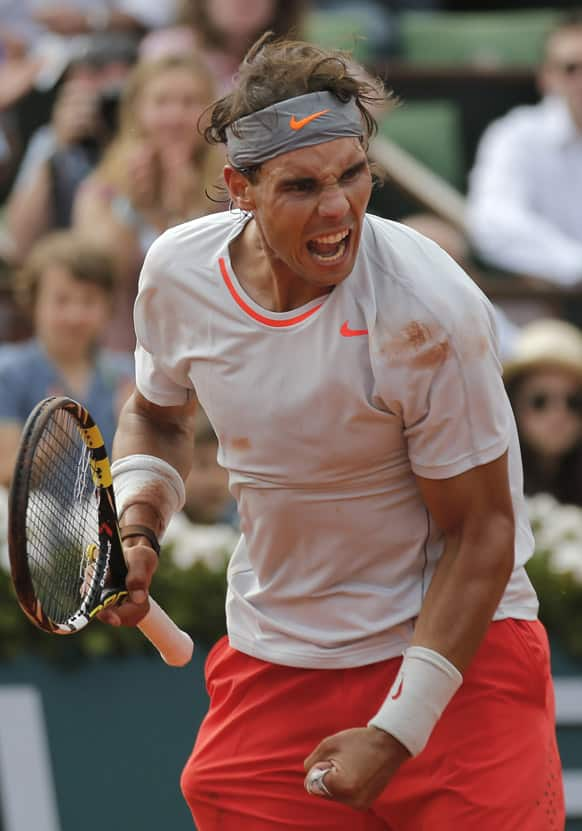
383, 639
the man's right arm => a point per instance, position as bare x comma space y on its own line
166, 433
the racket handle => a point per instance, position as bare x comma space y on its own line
174, 645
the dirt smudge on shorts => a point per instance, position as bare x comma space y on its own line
241, 443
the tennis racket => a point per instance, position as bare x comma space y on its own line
66, 554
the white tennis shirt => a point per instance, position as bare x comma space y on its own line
324, 414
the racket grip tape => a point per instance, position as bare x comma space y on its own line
174, 645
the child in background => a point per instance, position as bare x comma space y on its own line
66, 286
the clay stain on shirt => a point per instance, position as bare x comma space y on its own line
415, 346
416, 334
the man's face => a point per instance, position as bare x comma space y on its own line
562, 71
309, 206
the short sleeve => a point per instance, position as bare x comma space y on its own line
161, 327
435, 361
464, 420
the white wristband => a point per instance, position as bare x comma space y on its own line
425, 684
147, 479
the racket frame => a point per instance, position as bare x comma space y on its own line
110, 561
174, 645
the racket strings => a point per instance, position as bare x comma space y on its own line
62, 522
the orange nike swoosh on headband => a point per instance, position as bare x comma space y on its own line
299, 125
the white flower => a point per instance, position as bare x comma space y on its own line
211, 544
567, 558
540, 507
564, 523
558, 531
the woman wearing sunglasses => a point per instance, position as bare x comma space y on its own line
544, 383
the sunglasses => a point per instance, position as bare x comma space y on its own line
541, 401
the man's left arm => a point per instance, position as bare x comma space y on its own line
459, 456
474, 511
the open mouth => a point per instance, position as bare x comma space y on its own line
329, 248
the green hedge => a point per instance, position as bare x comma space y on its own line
560, 603
194, 597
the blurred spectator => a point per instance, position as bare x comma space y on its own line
223, 30
524, 207
70, 17
66, 285
61, 154
17, 76
50, 33
25, 23
158, 171
14, 323
544, 383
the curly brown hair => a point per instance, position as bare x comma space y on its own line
275, 70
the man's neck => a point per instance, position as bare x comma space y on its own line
265, 278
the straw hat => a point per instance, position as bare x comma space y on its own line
542, 343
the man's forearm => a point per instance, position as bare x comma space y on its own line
459, 605
468, 584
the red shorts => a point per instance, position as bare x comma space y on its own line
491, 764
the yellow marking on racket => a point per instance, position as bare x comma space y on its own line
101, 472
87, 567
91, 553
112, 600
92, 436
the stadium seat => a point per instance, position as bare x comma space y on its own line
431, 132
339, 31
496, 39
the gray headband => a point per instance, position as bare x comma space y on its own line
288, 125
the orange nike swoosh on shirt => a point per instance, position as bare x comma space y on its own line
299, 125
351, 333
